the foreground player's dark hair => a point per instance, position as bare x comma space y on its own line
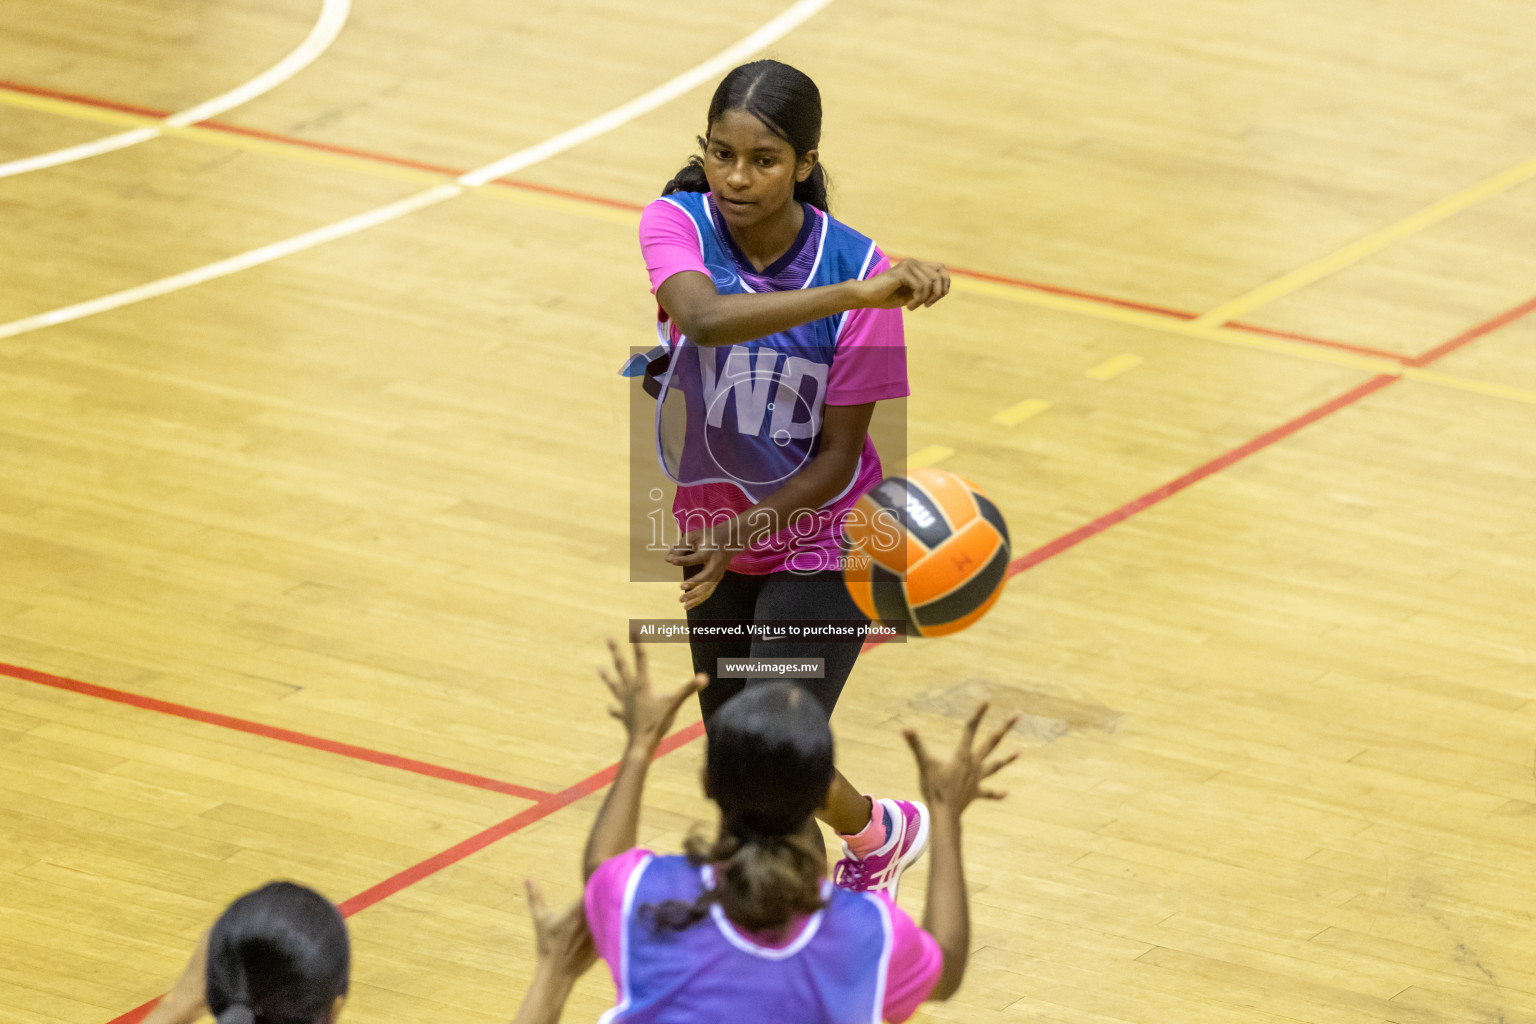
768, 767
278, 955
783, 98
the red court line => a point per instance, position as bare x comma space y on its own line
596, 781
1070, 540
323, 147
551, 803
88, 101
1264, 440
1342, 346
1051, 289
586, 787
272, 732
1467, 337
587, 197
1179, 314
382, 158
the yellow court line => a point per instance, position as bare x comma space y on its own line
1173, 325
1063, 303
1114, 367
1016, 414
573, 206
1303, 276
272, 147
1481, 387
78, 111
927, 456
1190, 329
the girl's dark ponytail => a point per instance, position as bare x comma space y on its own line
690, 178
761, 884
278, 955
813, 189
767, 766
767, 883
783, 98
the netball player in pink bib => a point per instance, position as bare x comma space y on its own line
746, 929
780, 330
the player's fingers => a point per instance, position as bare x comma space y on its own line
618, 659
996, 738
911, 297
687, 544
923, 281
940, 284
639, 649
536, 905
997, 766
685, 691
968, 736
916, 743
608, 680
697, 594
991, 794
927, 283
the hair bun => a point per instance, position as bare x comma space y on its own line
237, 1013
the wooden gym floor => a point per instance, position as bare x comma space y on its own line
313, 481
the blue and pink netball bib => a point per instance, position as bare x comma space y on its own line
750, 414
833, 972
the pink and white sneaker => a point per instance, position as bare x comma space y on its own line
908, 840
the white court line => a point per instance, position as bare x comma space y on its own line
333, 15
794, 16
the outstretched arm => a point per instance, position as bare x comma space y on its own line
709, 319
185, 1002
565, 952
646, 717
948, 787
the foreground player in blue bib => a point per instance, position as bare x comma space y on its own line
747, 928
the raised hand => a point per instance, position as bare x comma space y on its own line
562, 939
952, 785
565, 950
185, 1002
646, 715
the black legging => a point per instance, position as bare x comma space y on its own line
776, 595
